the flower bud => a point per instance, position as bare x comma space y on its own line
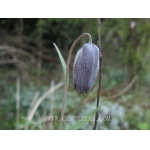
85, 67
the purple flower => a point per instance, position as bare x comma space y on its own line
85, 67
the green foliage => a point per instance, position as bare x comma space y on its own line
86, 119
143, 126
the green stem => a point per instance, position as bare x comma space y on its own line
67, 74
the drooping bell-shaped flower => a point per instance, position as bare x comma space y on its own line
85, 67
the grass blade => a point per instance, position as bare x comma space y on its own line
39, 127
80, 124
62, 61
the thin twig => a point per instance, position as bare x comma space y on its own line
17, 99
39, 63
39, 101
100, 76
9, 61
51, 106
67, 74
16, 50
125, 89
31, 106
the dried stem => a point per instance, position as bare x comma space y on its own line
125, 89
40, 100
17, 99
51, 106
31, 106
67, 74
100, 74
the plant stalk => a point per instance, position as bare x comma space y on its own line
67, 75
100, 74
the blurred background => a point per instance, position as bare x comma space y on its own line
31, 75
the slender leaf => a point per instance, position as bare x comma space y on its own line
62, 60
64, 70
40, 127
81, 123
